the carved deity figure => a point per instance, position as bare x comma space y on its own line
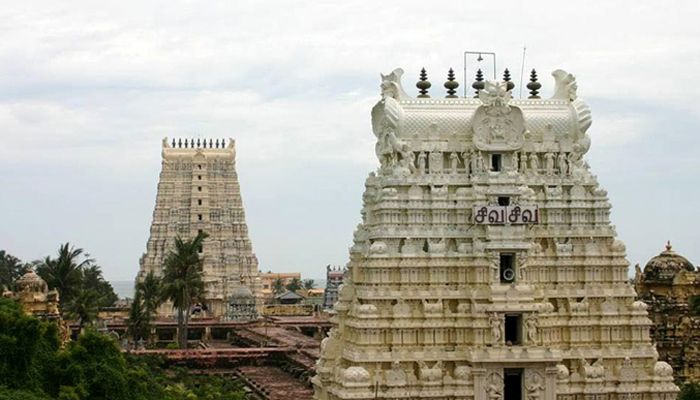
549, 164
494, 390
474, 163
496, 325
436, 162
454, 161
561, 161
534, 163
421, 162
534, 387
514, 161
531, 327
480, 164
396, 376
466, 158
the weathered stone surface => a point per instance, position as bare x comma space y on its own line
666, 285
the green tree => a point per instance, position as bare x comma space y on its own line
148, 297
138, 325
93, 280
309, 284
83, 308
11, 268
689, 391
65, 273
182, 280
294, 285
151, 291
278, 286
27, 348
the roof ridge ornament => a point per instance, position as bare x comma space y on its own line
423, 84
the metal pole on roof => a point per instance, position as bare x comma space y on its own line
479, 53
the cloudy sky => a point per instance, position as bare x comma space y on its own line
88, 90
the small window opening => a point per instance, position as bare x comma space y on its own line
496, 162
199, 217
199, 166
201, 248
507, 268
504, 201
513, 384
199, 188
512, 330
199, 177
199, 202
199, 231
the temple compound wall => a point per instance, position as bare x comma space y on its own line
486, 266
666, 284
198, 191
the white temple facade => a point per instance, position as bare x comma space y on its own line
486, 266
199, 191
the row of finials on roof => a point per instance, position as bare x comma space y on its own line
451, 84
199, 144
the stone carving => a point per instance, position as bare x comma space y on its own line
364, 309
378, 248
531, 328
494, 387
422, 157
496, 324
595, 371
409, 247
432, 308
564, 85
436, 247
431, 375
401, 309
436, 162
454, 161
496, 124
395, 376
356, 376
626, 372
391, 85
561, 164
534, 163
562, 372
462, 373
534, 386
549, 164
663, 369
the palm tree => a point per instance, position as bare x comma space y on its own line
278, 286
138, 325
64, 273
11, 268
294, 285
148, 297
182, 280
150, 290
83, 308
309, 284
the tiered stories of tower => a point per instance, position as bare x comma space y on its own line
486, 266
199, 191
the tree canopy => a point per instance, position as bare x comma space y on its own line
33, 367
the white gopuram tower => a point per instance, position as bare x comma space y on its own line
486, 266
199, 191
